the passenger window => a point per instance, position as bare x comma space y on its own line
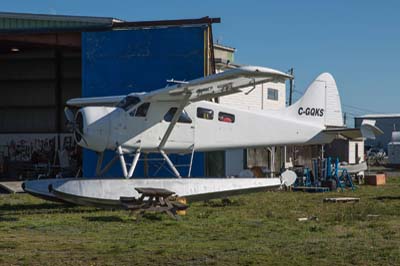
128, 102
142, 110
205, 113
225, 117
184, 118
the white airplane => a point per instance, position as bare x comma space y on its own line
181, 119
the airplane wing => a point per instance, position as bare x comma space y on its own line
96, 101
228, 82
368, 130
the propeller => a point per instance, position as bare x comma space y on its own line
69, 115
75, 124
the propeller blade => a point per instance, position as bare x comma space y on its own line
81, 135
69, 115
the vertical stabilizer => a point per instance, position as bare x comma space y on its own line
320, 103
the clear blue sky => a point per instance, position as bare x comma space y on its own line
357, 41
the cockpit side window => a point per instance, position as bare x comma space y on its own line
184, 117
128, 102
141, 111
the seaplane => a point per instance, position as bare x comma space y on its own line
181, 118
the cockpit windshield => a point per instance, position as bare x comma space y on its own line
128, 102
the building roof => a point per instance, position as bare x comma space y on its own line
14, 22
379, 116
24, 22
224, 47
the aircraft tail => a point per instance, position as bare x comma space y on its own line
320, 103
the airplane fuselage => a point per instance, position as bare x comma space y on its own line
203, 126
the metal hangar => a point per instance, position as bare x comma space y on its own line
47, 59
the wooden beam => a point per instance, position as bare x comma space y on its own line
71, 39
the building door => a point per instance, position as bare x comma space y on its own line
356, 154
120, 62
215, 163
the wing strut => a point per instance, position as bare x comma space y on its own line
191, 161
168, 132
173, 122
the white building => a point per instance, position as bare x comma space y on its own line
264, 96
272, 96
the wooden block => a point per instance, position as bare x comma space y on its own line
183, 202
375, 180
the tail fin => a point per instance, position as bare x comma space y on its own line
320, 104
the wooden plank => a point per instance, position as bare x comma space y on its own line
342, 199
12, 187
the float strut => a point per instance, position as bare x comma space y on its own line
134, 163
171, 165
122, 161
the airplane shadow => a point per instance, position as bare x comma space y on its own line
103, 219
152, 216
39, 206
114, 218
43, 208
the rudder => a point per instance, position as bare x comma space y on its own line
320, 103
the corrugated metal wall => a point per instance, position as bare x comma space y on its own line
31, 82
125, 61
35, 82
386, 124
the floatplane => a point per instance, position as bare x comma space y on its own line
180, 118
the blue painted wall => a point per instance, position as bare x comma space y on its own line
125, 61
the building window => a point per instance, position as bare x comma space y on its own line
272, 94
225, 117
183, 118
205, 113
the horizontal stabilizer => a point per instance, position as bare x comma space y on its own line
368, 130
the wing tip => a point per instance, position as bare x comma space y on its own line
266, 70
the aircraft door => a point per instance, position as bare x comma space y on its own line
137, 121
118, 126
182, 136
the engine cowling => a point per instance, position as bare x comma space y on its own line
92, 127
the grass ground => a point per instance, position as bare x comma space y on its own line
256, 229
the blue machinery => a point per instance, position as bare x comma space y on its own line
324, 176
344, 179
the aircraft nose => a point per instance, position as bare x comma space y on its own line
90, 126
